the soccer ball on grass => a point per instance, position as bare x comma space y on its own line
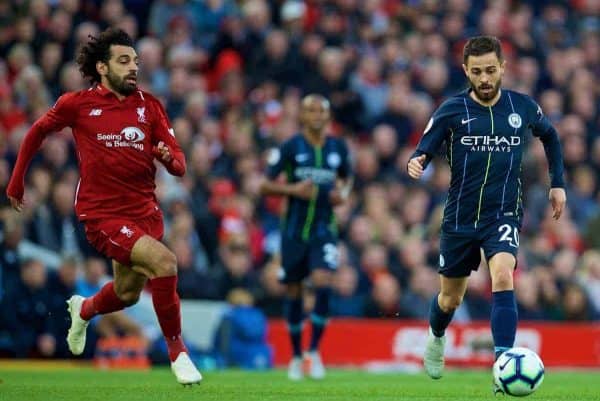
519, 371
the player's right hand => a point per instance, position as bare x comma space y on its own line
304, 190
415, 166
17, 204
162, 152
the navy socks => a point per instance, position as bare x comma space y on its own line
503, 320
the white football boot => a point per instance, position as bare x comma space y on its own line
433, 359
295, 369
184, 370
76, 335
317, 370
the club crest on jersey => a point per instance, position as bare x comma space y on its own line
515, 120
141, 114
274, 156
334, 160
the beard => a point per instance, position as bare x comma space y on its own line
488, 94
120, 85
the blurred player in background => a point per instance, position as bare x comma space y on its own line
484, 128
119, 130
318, 177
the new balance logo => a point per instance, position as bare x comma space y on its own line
126, 231
463, 121
95, 112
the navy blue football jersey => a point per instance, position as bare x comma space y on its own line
484, 147
323, 165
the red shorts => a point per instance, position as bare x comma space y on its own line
116, 237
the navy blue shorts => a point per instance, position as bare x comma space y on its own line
299, 258
460, 251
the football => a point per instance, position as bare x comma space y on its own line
519, 371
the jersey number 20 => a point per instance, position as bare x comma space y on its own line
510, 234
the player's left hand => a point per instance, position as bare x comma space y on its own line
558, 199
161, 152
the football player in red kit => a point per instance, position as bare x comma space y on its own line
119, 130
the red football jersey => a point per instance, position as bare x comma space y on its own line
114, 140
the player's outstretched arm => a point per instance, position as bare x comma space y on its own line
29, 147
55, 119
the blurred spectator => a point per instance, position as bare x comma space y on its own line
527, 292
57, 228
10, 260
590, 277
271, 300
344, 300
234, 268
26, 311
241, 337
385, 299
576, 305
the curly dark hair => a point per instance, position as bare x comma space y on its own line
478, 45
98, 49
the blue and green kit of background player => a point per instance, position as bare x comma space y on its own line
308, 230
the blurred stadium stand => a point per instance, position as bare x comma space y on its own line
231, 75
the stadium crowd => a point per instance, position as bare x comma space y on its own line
231, 75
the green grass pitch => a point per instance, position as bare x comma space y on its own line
84, 384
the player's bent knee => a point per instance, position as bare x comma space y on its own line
129, 297
502, 280
449, 303
321, 278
